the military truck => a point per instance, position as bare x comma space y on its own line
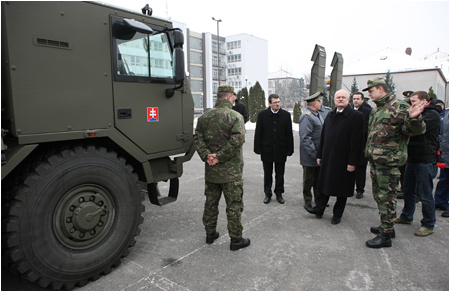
95, 112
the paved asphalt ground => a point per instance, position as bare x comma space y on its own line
290, 249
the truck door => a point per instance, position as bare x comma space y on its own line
143, 70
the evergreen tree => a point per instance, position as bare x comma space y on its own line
297, 111
256, 101
390, 83
354, 88
431, 93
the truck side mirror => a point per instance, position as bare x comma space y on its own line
178, 39
178, 66
178, 71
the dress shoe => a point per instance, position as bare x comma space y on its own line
313, 210
239, 243
381, 240
376, 230
400, 195
359, 195
267, 200
335, 221
445, 214
280, 199
210, 237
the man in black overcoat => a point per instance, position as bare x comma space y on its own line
358, 104
338, 155
274, 141
240, 108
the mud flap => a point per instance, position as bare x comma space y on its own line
155, 196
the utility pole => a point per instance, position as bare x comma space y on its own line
218, 46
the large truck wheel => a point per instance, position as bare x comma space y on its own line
74, 216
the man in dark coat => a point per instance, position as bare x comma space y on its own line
240, 108
341, 144
274, 141
358, 104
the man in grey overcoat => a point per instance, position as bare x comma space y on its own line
310, 128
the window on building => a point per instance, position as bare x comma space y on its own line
195, 43
196, 85
196, 57
196, 71
234, 71
234, 58
234, 45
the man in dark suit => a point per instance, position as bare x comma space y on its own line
338, 155
358, 104
274, 141
240, 108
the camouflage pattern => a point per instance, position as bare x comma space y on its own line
385, 180
226, 88
221, 131
390, 127
374, 82
233, 193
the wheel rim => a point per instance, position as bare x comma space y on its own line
84, 216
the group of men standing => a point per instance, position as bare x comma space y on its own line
335, 147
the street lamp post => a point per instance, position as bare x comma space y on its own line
218, 46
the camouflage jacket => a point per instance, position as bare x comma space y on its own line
390, 127
221, 131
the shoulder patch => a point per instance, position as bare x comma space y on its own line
308, 112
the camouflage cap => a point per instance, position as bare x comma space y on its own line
407, 93
313, 97
374, 82
226, 88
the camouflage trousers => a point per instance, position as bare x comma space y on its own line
384, 188
233, 193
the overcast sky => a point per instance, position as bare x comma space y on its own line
356, 29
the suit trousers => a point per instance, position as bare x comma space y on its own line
360, 177
339, 206
279, 178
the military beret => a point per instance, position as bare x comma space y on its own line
407, 93
313, 97
226, 88
374, 82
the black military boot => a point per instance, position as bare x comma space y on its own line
210, 237
376, 230
382, 240
267, 199
238, 243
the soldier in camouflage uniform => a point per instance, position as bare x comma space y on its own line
391, 124
219, 136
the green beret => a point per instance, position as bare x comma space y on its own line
407, 93
313, 97
225, 88
374, 82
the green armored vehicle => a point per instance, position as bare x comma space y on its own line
95, 112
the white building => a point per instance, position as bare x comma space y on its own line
407, 72
247, 62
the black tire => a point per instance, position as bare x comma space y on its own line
74, 217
